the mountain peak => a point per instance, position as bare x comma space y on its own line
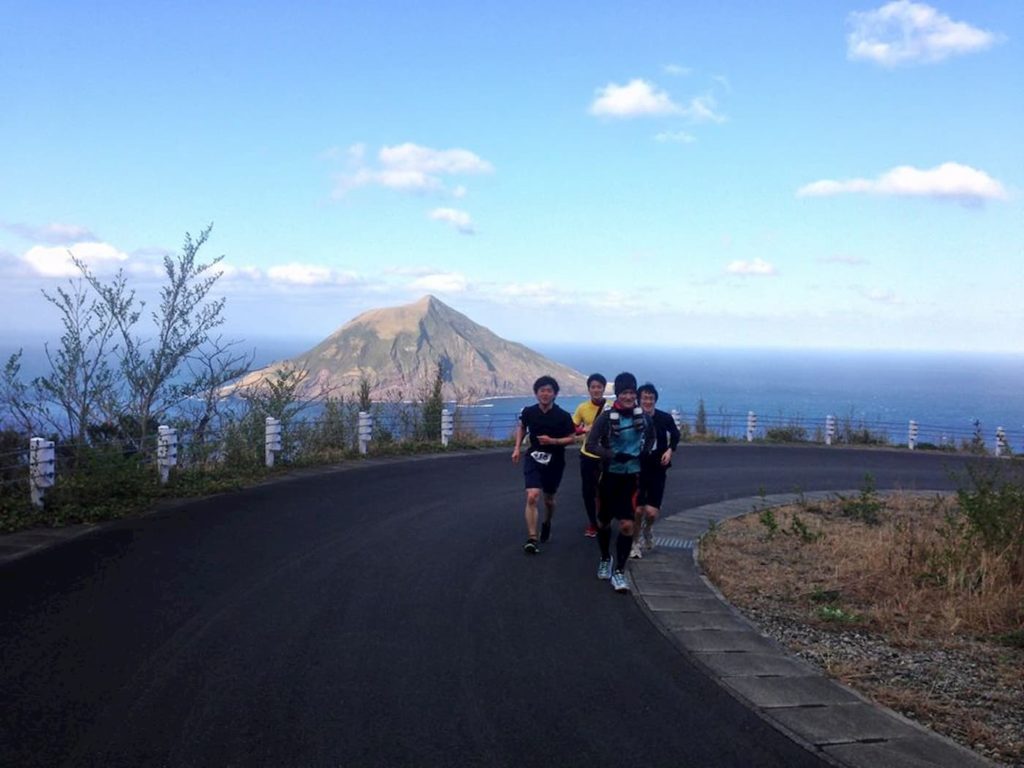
398, 349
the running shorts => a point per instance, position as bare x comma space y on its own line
652, 485
547, 477
618, 497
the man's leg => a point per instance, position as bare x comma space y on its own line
590, 471
532, 497
604, 526
549, 512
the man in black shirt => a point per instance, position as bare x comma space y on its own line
550, 429
653, 469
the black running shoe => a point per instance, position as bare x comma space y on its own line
545, 531
530, 547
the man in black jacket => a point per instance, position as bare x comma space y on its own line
653, 469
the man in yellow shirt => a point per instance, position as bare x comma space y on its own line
590, 465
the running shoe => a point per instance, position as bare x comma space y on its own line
604, 569
619, 583
530, 547
635, 553
590, 532
545, 531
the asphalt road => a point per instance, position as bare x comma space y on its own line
384, 616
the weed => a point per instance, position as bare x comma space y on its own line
767, 519
866, 506
836, 614
801, 530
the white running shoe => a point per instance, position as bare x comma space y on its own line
619, 583
604, 569
635, 553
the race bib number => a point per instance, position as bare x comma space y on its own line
541, 457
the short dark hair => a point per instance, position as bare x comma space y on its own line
625, 381
596, 377
545, 381
648, 387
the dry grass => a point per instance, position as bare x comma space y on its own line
913, 584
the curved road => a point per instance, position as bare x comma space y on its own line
383, 616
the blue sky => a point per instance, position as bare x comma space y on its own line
802, 174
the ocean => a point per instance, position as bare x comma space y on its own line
946, 393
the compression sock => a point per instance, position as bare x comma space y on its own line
604, 540
623, 544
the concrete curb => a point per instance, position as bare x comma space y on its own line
836, 723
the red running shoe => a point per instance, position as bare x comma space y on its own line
590, 532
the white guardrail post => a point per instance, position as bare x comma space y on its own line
751, 426
42, 468
273, 439
365, 431
830, 429
447, 427
1002, 447
166, 451
677, 418
912, 435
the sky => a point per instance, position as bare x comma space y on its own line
837, 175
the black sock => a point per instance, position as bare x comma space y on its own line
604, 541
622, 547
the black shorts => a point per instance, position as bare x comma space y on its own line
652, 485
547, 477
618, 497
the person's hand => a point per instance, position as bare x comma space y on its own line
515, 455
546, 440
666, 457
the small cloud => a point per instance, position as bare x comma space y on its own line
295, 273
703, 109
950, 181
56, 261
756, 268
675, 137
411, 168
880, 296
676, 71
231, 272
723, 81
843, 259
458, 219
637, 98
905, 32
441, 282
52, 234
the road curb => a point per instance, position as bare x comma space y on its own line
836, 723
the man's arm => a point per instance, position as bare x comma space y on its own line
520, 433
593, 444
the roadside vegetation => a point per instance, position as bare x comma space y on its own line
120, 369
917, 602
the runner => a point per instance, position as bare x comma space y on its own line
550, 430
590, 465
620, 436
653, 468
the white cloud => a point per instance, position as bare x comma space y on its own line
880, 296
441, 282
703, 109
52, 234
843, 259
675, 137
458, 219
295, 273
906, 32
756, 268
412, 168
56, 261
636, 98
951, 181
231, 272
676, 71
